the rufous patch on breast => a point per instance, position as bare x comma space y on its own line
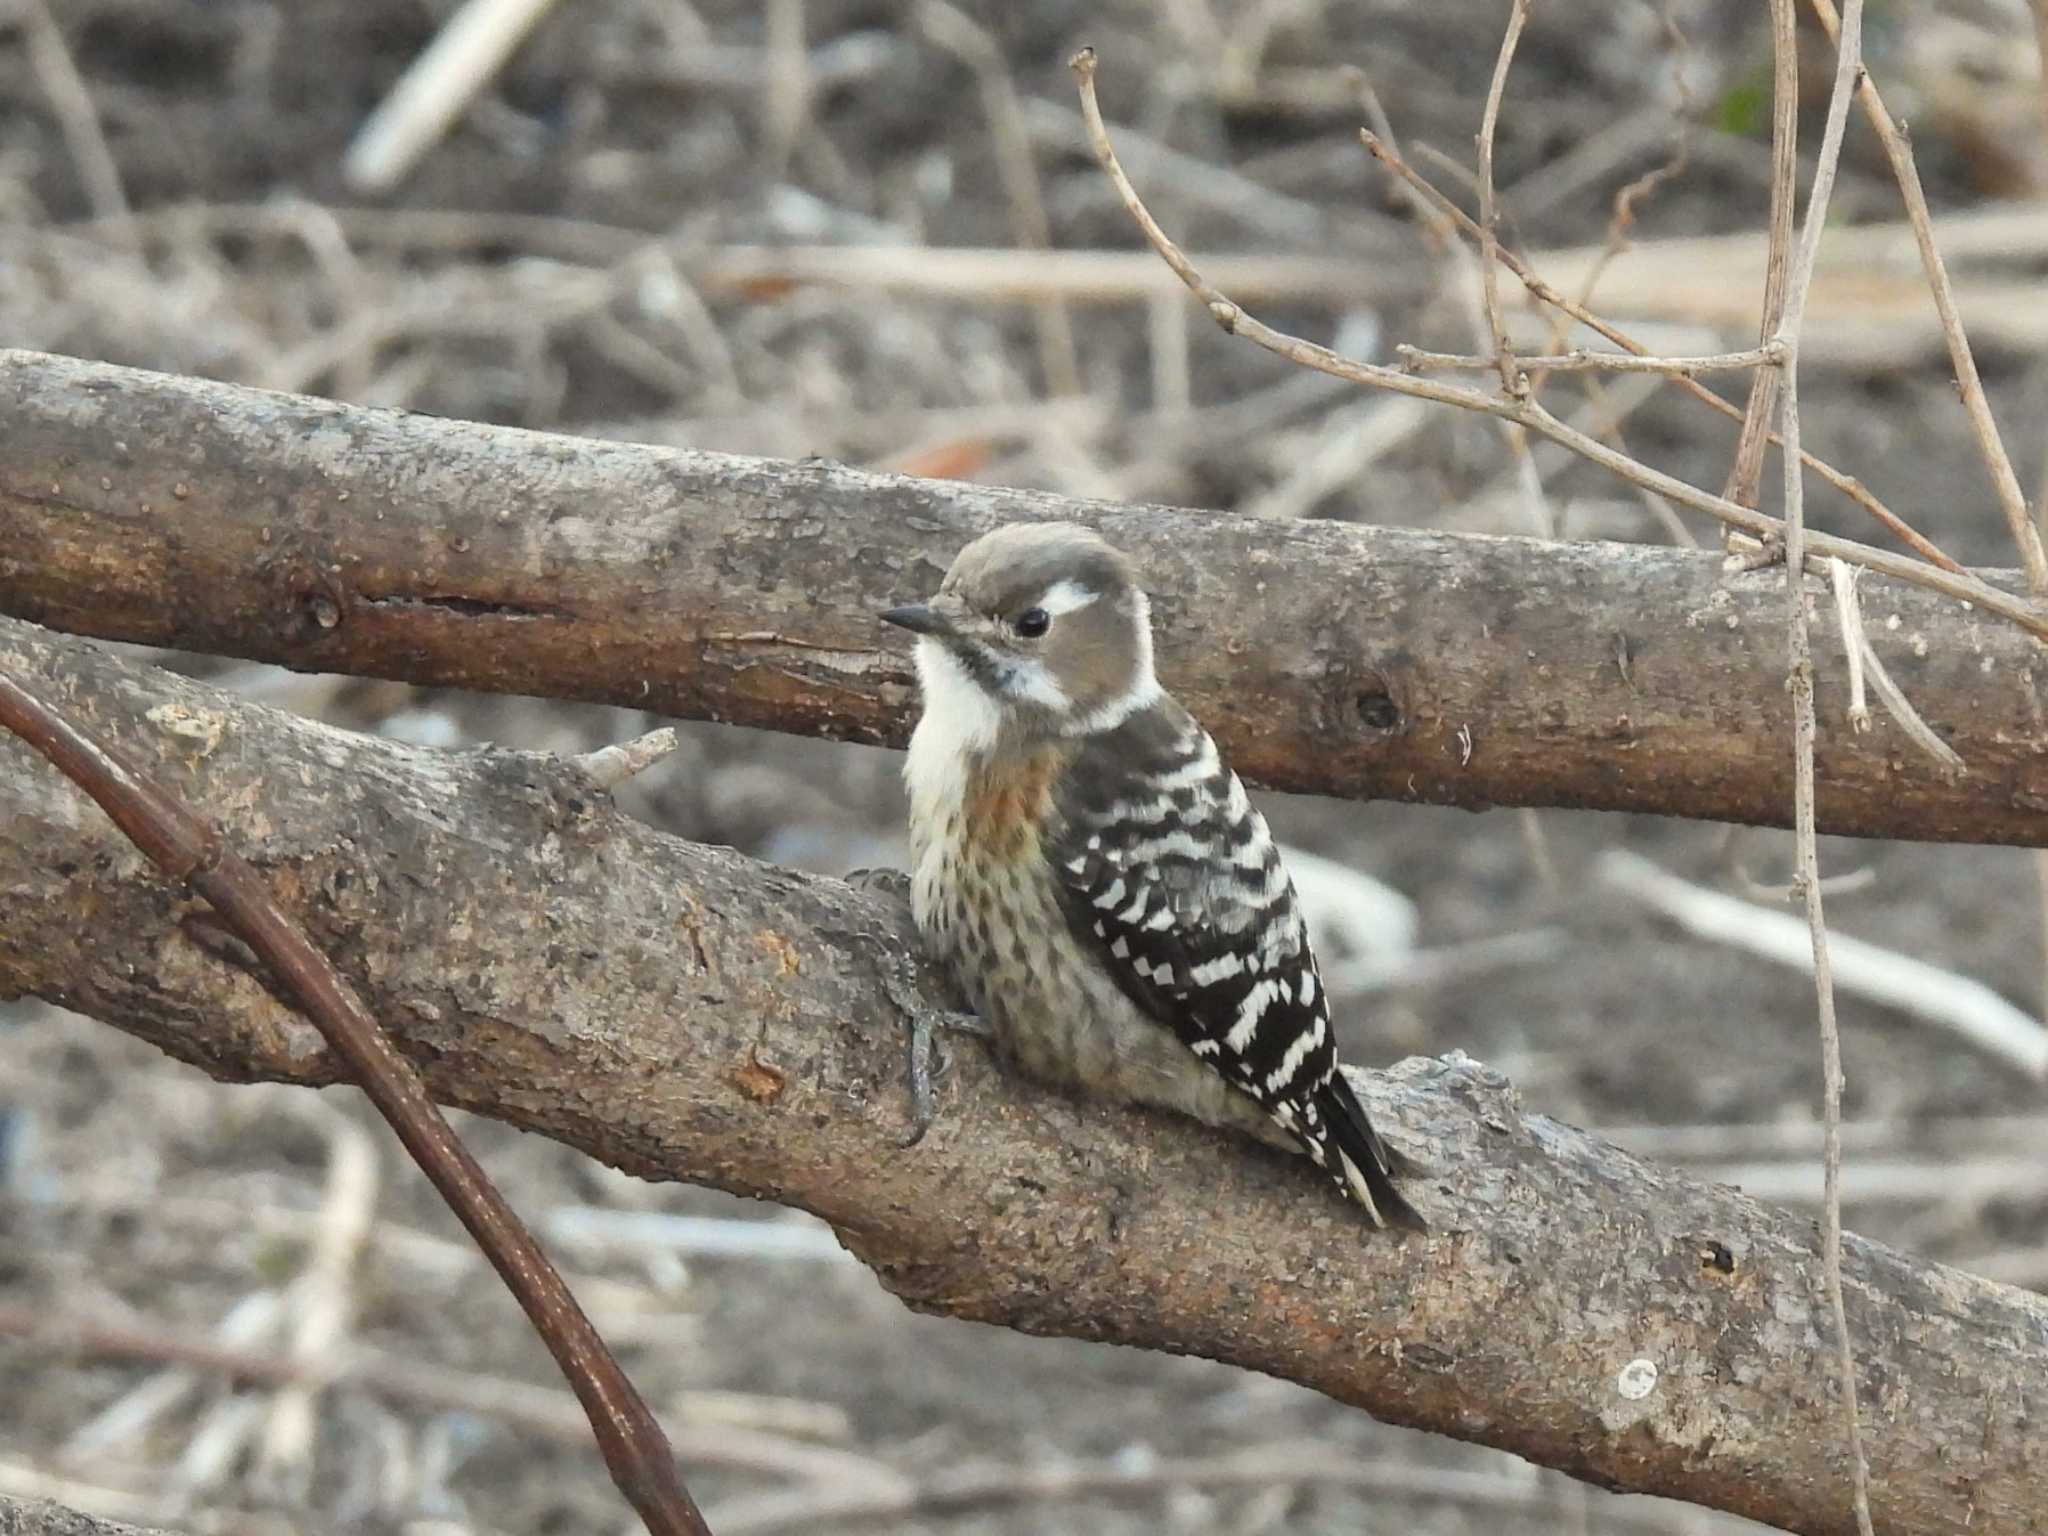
1007, 800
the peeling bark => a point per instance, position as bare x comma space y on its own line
684, 1012
1339, 660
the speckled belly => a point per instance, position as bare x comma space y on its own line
990, 910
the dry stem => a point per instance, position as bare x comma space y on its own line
972, 44
1526, 412
1983, 426
1747, 474
77, 118
1384, 152
436, 88
1477, 288
1511, 380
1849, 68
1417, 360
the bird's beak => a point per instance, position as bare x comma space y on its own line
919, 619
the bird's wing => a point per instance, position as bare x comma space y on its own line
1172, 876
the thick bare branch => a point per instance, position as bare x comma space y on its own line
672, 1008
1337, 660
39, 1517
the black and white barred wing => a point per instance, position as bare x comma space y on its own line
1172, 875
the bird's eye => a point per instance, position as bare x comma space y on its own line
1033, 622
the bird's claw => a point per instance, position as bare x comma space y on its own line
925, 1060
925, 1021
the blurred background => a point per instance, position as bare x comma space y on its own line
848, 228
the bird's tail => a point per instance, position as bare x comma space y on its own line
1363, 1165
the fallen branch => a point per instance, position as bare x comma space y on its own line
672, 1008
1454, 669
542, 1412
1956, 1003
1869, 304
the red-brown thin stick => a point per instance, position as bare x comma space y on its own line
635, 1449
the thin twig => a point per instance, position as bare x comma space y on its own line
187, 850
242, 1326
1848, 70
972, 44
1909, 719
1474, 285
1384, 152
1745, 478
969, 1486
324, 1300
464, 57
1849, 618
1623, 217
1620, 221
77, 118
2040, 859
1946, 577
711, 1436
1511, 380
1416, 360
1983, 425
785, 100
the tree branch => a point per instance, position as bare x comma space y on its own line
1331, 659
672, 1008
39, 1517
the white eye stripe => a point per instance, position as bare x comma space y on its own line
1066, 596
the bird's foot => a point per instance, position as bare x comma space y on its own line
926, 1021
926, 1060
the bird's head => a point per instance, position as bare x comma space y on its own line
1038, 630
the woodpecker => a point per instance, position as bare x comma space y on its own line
1090, 869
